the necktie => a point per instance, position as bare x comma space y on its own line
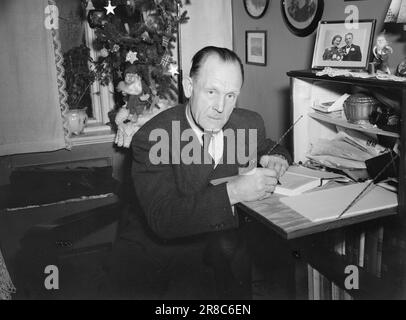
208, 145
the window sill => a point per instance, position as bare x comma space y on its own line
94, 134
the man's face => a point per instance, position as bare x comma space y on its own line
214, 92
348, 39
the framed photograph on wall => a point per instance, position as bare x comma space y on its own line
302, 16
255, 47
340, 46
256, 8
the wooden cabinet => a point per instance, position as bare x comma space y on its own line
308, 89
377, 247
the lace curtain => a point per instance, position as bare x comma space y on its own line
30, 105
6, 286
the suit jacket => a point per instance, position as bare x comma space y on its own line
178, 199
353, 55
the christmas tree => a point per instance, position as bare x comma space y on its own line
136, 37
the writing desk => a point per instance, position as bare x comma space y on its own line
290, 225
302, 245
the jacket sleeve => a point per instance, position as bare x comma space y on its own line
169, 213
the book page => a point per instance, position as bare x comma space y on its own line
329, 204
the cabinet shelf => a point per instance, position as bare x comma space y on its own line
345, 124
311, 75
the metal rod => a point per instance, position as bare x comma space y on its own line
181, 95
363, 191
284, 135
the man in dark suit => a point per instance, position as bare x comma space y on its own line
172, 175
351, 52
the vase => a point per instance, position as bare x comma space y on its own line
358, 108
77, 120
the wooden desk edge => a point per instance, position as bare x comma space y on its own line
317, 227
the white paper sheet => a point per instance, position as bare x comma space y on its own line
329, 204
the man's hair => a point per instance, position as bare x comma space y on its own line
350, 34
223, 53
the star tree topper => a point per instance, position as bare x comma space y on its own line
173, 69
110, 8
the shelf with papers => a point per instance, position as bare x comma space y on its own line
345, 124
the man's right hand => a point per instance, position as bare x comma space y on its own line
257, 184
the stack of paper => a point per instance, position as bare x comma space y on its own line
332, 107
330, 203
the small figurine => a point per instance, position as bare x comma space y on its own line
401, 69
132, 88
381, 53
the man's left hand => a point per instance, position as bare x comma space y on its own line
275, 162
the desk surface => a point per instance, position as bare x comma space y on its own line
290, 224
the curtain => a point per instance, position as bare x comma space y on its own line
210, 24
31, 118
6, 285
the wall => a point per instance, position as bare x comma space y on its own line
210, 24
266, 89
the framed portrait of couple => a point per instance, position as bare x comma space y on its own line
343, 45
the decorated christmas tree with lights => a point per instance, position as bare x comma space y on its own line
135, 40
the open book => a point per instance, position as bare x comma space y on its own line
296, 180
299, 179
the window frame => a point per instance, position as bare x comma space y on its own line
102, 96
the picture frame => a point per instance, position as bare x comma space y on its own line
256, 8
302, 16
338, 45
256, 47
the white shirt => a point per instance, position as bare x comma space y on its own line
216, 145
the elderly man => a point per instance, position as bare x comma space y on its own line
177, 197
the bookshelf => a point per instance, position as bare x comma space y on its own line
307, 89
343, 123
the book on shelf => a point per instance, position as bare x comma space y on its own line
325, 288
361, 257
373, 251
310, 281
316, 285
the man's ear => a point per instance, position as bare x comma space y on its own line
187, 86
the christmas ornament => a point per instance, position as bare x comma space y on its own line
96, 18
104, 53
165, 41
110, 8
166, 59
145, 36
173, 70
131, 57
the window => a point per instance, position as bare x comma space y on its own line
74, 30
